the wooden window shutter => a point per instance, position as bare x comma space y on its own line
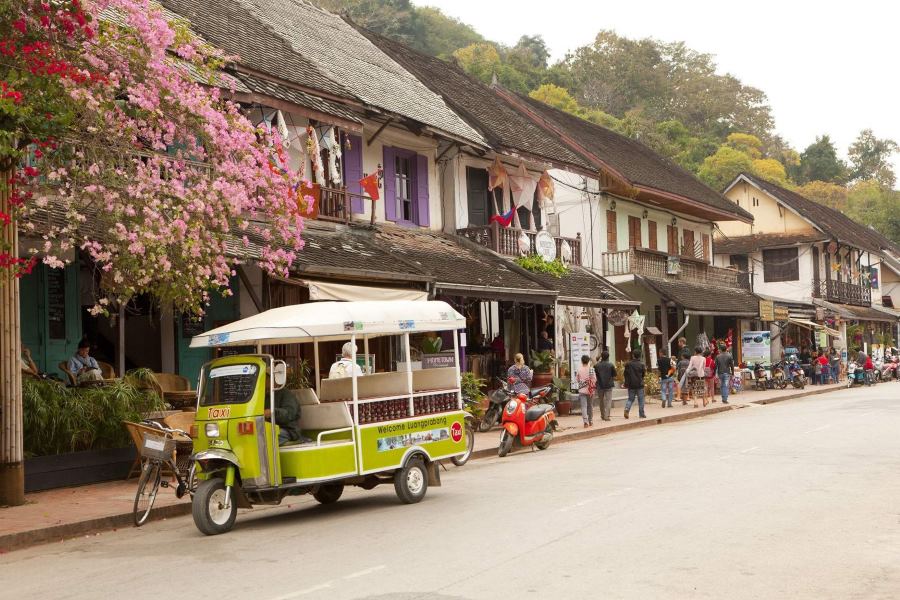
688, 236
651, 234
422, 190
673, 239
706, 247
634, 232
390, 185
612, 240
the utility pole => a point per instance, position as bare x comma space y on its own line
12, 467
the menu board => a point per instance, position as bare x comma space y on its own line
56, 303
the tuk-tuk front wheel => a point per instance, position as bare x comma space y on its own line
411, 482
211, 515
329, 494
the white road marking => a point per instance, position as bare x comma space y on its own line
818, 429
364, 572
749, 449
590, 500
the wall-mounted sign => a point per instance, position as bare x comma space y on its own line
436, 361
766, 310
781, 313
673, 265
617, 317
545, 245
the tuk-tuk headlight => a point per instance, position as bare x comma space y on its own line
212, 430
511, 407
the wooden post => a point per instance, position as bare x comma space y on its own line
12, 468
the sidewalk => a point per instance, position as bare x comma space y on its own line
57, 515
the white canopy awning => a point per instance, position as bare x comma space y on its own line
326, 290
814, 326
300, 323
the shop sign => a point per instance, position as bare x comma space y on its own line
755, 347
617, 317
545, 245
673, 265
579, 345
781, 313
436, 361
820, 313
766, 310
653, 362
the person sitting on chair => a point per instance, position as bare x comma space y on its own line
345, 367
28, 366
83, 366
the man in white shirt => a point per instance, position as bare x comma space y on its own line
345, 367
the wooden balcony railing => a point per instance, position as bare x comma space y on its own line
505, 240
650, 263
335, 204
843, 292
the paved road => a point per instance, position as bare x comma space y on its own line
793, 500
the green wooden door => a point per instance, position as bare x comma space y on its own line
220, 311
51, 315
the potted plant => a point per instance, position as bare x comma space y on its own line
542, 362
473, 387
561, 387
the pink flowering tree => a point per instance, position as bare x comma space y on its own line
115, 140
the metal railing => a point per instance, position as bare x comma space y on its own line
505, 241
843, 292
650, 263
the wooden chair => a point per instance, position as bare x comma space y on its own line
173, 388
107, 369
70, 377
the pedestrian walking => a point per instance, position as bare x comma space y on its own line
694, 376
606, 380
586, 380
724, 370
709, 375
634, 381
824, 367
835, 360
666, 378
683, 362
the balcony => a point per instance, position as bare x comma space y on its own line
332, 204
650, 263
505, 240
842, 292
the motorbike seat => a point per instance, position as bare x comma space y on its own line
536, 412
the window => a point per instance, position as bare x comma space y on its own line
634, 232
404, 188
781, 265
651, 234
755, 201
612, 240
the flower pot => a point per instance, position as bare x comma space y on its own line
563, 407
541, 379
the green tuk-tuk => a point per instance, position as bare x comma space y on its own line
362, 430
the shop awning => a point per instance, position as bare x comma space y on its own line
582, 287
814, 326
860, 313
698, 299
326, 290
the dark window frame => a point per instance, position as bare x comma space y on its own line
781, 264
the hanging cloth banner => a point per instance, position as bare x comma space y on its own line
497, 175
636, 321
330, 143
505, 219
522, 187
281, 126
315, 155
546, 190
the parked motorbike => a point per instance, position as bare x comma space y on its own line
891, 369
778, 377
760, 377
501, 396
525, 423
855, 374
796, 374
876, 373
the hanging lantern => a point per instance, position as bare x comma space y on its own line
524, 244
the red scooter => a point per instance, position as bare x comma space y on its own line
527, 424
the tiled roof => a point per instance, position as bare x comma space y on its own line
750, 243
345, 55
833, 222
637, 162
504, 127
581, 285
451, 261
275, 90
228, 25
705, 298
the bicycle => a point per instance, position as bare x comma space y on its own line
158, 449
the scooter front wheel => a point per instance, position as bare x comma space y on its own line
488, 420
506, 442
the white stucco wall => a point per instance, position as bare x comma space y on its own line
768, 214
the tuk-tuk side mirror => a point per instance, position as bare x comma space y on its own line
279, 374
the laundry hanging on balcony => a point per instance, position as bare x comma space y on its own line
331, 144
522, 187
546, 190
505, 219
315, 155
497, 178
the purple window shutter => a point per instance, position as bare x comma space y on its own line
353, 172
422, 189
390, 194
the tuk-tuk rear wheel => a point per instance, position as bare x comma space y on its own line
211, 516
411, 482
329, 494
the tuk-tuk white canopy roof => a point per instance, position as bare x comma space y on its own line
324, 321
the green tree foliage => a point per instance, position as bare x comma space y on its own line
832, 195
481, 60
559, 97
872, 203
396, 19
820, 162
442, 35
870, 158
720, 169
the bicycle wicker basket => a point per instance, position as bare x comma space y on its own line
157, 446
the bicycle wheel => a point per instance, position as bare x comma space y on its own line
148, 486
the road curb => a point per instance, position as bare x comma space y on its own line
802, 394
61, 533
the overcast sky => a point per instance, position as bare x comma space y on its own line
827, 67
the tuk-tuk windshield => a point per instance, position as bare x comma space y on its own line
229, 384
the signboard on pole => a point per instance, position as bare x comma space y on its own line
652, 348
755, 347
579, 345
